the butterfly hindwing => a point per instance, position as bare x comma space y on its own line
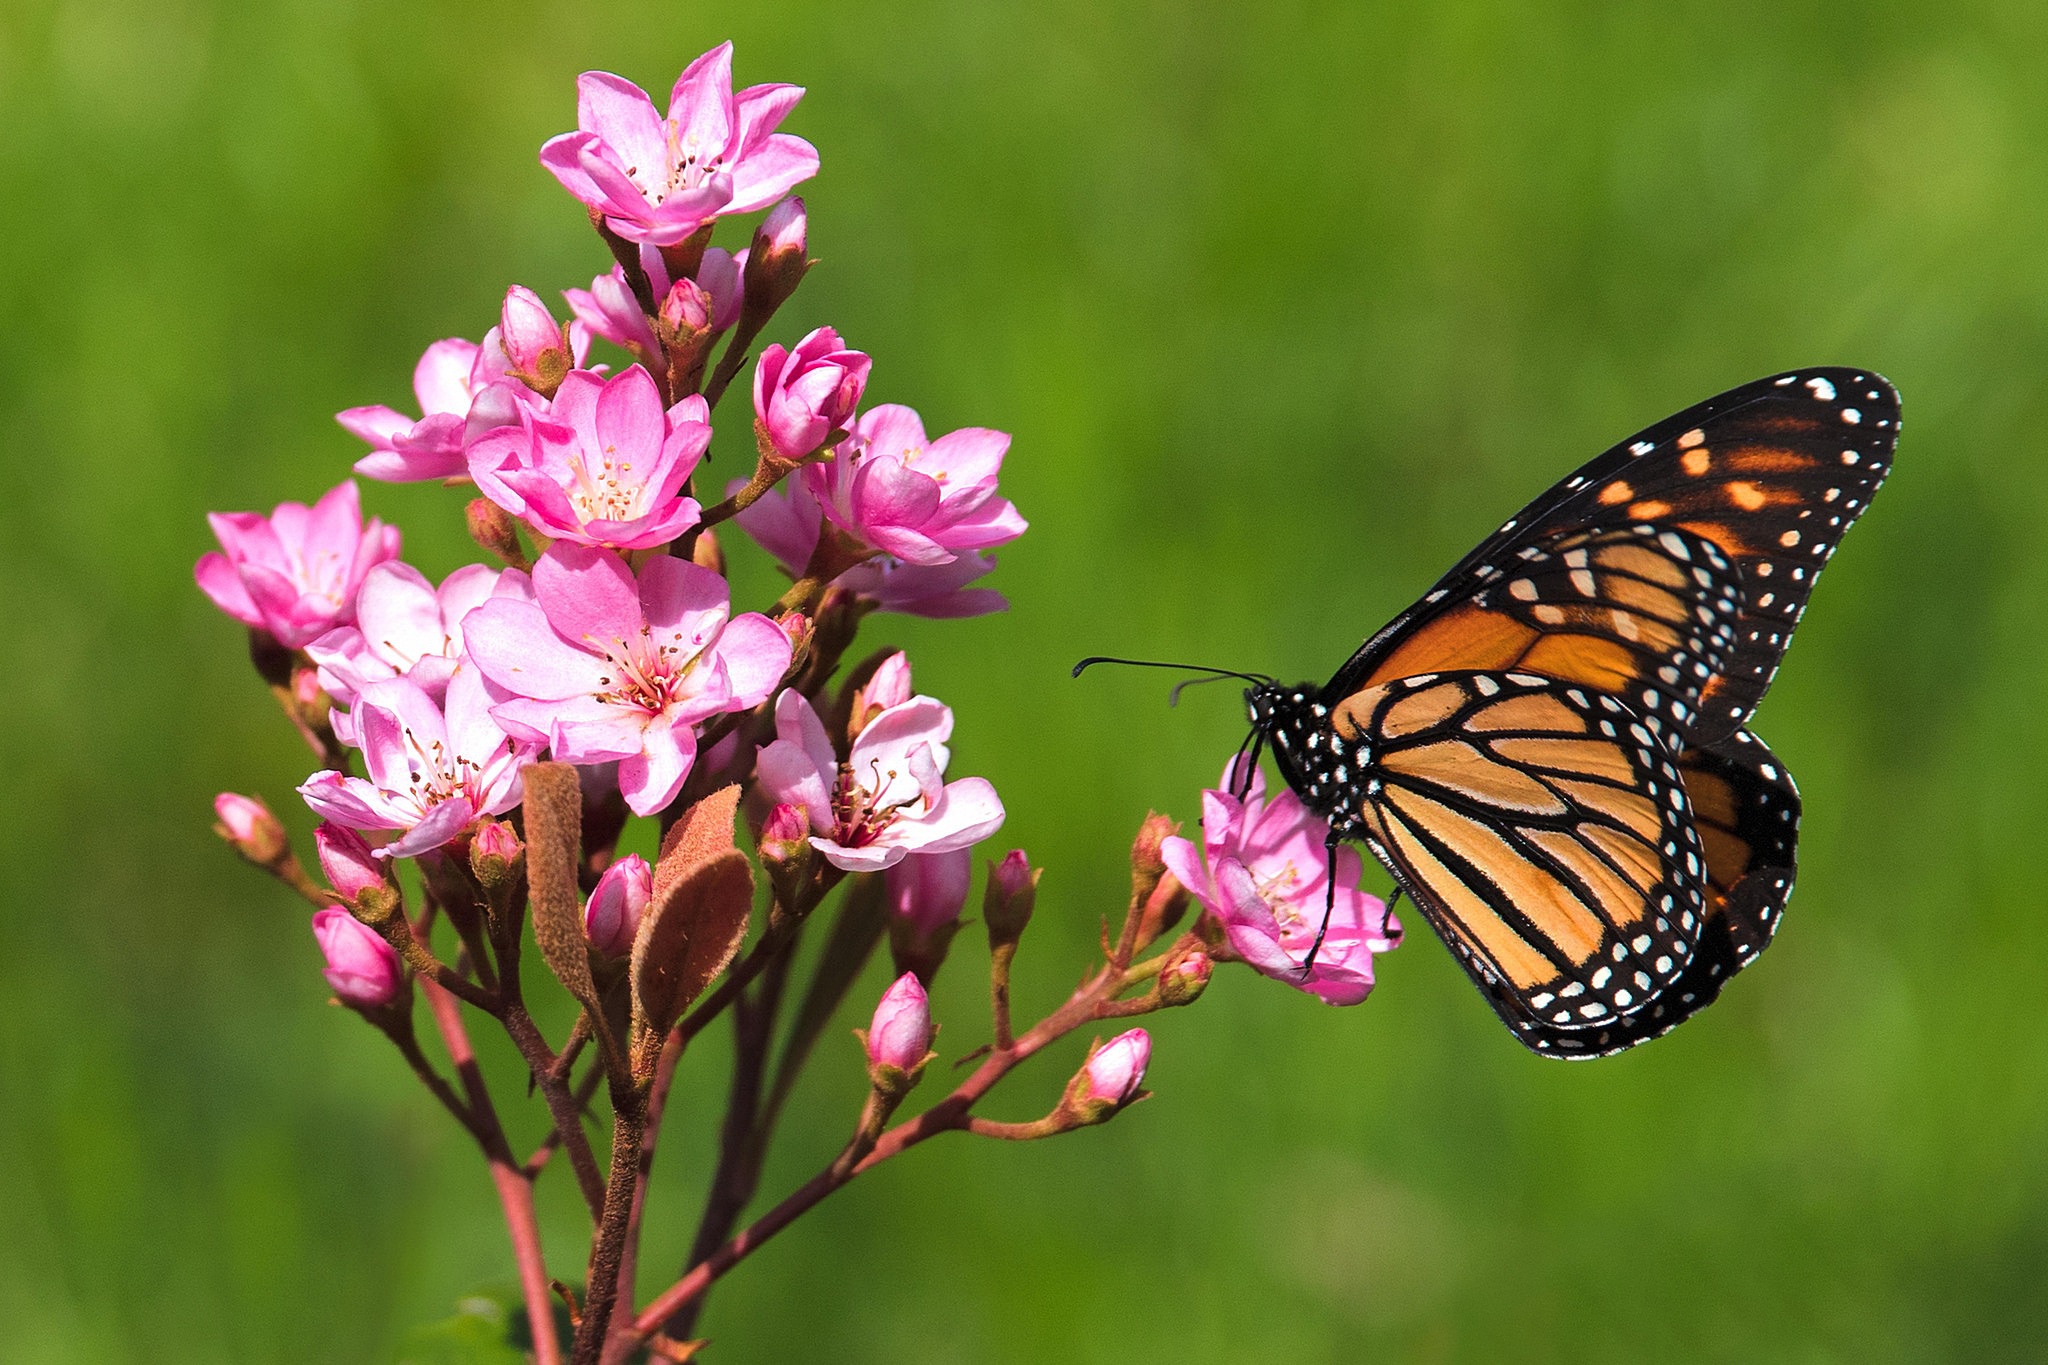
1545, 831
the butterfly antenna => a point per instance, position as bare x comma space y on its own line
1095, 659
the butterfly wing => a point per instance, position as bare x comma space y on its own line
1769, 475
1546, 832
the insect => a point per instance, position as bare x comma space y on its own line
1549, 751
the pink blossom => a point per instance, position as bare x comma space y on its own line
433, 773
352, 867
785, 522
601, 667
405, 628
1264, 872
296, 572
657, 179
805, 399
535, 345
611, 919
928, 890
362, 968
900, 1034
610, 309
1113, 1072
924, 502
889, 799
606, 465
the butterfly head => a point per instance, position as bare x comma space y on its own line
1296, 723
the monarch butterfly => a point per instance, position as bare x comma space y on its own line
1548, 751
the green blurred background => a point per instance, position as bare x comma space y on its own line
1286, 304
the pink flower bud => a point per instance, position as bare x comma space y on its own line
1007, 902
361, 967
493, 854
804, 399
1110, 1078
346, 858
495, 530
785, 836
720, 277
1183, 979
797, 629
901, 1032
776, 262
247, 824
612, 919
782, 232
686, 310
927, 890
535, 345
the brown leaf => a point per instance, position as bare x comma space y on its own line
702, 833
689, 935
554, 847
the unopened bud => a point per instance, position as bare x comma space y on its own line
1185, 975
361, 967
785, 836
535, 345
249, 828
720, 277
357, 874
797, 628
899, 1038
1147, 865
611, 920
776, 262
494, 854
1011, 892
496, 531
685, 311
1109, 1079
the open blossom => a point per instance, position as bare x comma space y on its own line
1264, 872
786, 521
889, 799
464, 389
601, 666
805, 398
606, 465
610, 309
924, 502
432, 772
294, 573
362, 968
405, 628
658, 179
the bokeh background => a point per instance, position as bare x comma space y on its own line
1285, 304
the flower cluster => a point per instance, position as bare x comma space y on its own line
501, 728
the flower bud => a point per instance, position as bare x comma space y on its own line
249, 827
776, 261
361, 967
720, 277
804, 399
1185, 976
686, 310
535, 345
358, 875
1109, 1079
494, 854
611, 921
797, 628
899, 1038
785, 835
928, 890
1012, 890
1147, 865
495, 531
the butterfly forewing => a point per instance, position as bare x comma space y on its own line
1545, 830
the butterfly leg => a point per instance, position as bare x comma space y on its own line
1329, 906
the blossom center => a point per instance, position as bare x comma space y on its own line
859, 811
649, 675
608, 492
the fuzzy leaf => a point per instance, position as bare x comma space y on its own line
554, 848
690, 933
703, 832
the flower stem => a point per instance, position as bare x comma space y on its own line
628, 1119
562, 1106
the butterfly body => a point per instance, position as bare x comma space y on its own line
1548, 750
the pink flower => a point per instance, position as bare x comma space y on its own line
296, 572
361, 967
924, 502
785, 523
928, 890
611, 920
433, 774
601, 667
889, 799
1110, 1078
900, 1034
606, 465
1267, 879
405, 628
805, 399
657, 179
609, 308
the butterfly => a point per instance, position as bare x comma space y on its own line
1549, 751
